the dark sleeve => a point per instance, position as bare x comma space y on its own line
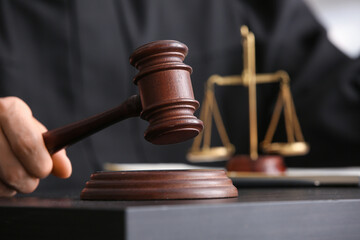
325, 83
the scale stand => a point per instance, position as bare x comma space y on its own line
272, 162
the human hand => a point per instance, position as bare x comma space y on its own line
24, 158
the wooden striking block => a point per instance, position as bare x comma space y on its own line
159, 185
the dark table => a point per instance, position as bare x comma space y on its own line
258, 213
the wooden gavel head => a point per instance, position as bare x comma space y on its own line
166, 100
166, 92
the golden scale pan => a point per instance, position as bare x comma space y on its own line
202, 151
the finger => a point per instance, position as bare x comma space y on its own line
61, 163
25, 137
6, 191
12, 172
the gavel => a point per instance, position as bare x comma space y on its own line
165, 100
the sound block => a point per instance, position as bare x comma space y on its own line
159, 185
269, 164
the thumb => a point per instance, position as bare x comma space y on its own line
61, 163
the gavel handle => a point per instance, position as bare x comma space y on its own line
62, 137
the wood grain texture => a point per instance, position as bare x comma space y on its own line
159, 185
166, 100
268, 164
166, 92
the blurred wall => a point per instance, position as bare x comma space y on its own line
342, 21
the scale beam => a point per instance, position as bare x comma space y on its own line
295, 144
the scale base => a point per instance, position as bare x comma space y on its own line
268, 164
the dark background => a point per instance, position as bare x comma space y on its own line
69, 60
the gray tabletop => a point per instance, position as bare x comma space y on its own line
258, 213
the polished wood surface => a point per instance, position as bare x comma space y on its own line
159, 185
268, 164
166, 92
166, 100
62, 137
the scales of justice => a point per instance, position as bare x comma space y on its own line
272, 161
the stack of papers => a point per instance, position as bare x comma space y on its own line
299, 177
